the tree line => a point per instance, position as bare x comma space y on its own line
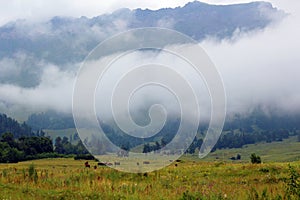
8, 124
36, 147
231, 139
50, 120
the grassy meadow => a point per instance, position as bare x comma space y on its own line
287, 150
69, 179
214, 177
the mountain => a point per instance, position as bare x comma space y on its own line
64, 40
199, 20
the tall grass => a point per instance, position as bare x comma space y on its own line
69, 179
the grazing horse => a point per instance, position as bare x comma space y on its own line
86, 164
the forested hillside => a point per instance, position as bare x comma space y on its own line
50, 120
254, 127
8, 124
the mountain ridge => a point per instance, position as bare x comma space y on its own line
65, 41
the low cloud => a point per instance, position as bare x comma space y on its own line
261, 68
258, 68
35, 10
54, 92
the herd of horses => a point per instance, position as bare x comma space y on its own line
87, 165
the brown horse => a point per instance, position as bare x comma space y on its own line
86, 164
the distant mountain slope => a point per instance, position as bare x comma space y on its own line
63, 40
50, 120
199, 20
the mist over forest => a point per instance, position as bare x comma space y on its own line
253, 46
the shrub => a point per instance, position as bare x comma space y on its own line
31, 170
255, 159
293, 184
32, 173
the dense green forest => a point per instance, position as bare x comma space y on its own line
10, 125
19, 143
37, 147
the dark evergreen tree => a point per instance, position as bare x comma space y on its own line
59, 148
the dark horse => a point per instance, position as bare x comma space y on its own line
86, 164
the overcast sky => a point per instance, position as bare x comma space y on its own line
42, 10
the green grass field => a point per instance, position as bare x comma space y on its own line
209, 178
69, 179
285, 151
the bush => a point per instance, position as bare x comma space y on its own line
31, 170
293, 184
255, 159
32, 173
